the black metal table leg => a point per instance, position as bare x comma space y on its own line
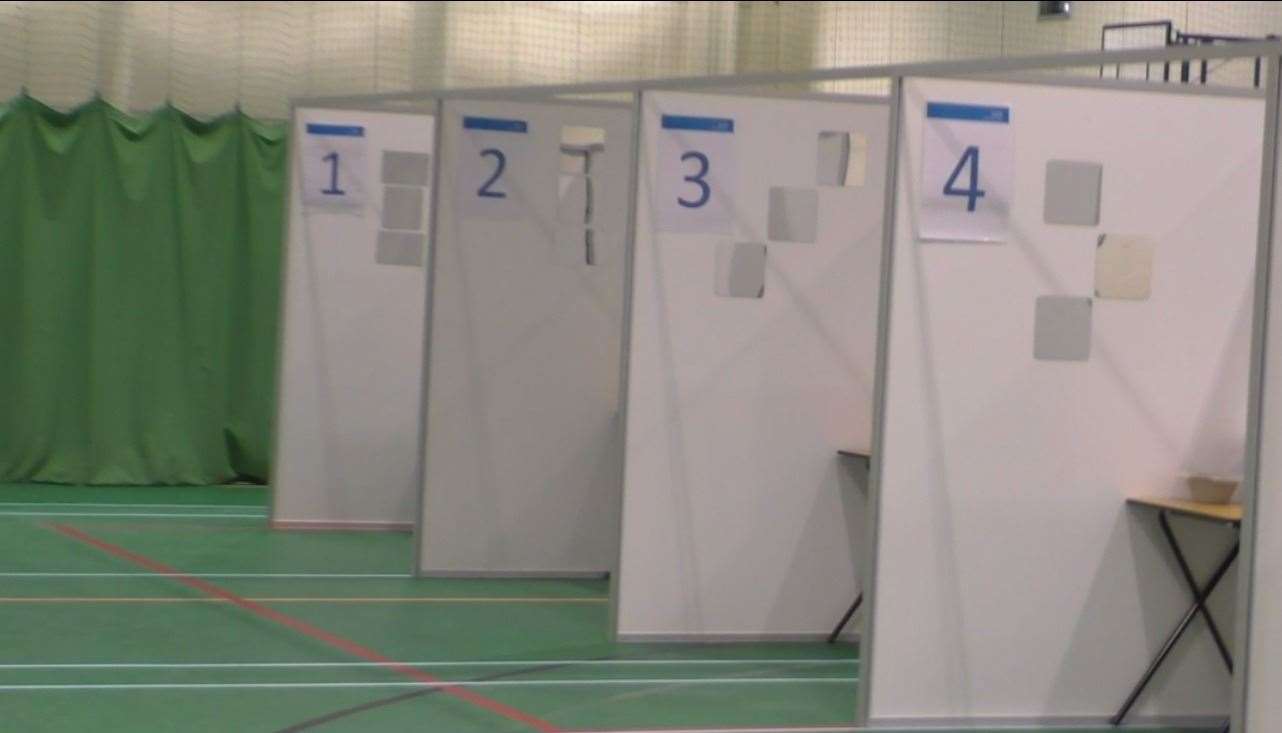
846, 619
1199, 600
1198, 605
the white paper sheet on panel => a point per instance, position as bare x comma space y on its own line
967, 173
695, 175
333, 163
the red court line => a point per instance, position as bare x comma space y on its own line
302, 627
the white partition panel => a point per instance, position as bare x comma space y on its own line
1263, 665
1011, 580
352, 329
521, 471
740, 520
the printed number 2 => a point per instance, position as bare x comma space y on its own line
333, 189
705, 191
972, 194
500, 162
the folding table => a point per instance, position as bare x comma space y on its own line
1225, 514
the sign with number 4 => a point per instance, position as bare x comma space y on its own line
333, 162
967, 173
695, 175
491, 156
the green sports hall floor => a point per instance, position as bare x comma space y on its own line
177, 609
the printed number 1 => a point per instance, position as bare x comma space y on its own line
333, 189
972, 194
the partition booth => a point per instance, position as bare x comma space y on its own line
754, 345
352, 295
1067, 307
520, 469
1066, 348
750, 363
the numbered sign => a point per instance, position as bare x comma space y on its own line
695, 175
491, 156
967, 173
333, 163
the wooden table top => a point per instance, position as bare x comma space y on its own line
1199, 510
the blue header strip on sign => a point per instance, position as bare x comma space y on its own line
698, 124
968, 112
494, 124
335, 130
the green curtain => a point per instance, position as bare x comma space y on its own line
139, 279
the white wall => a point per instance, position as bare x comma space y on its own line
739, 518
521, 471
1264, 672
351, 351
1011, 580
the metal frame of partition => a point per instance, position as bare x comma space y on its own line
1015, 70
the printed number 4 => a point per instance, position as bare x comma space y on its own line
500, 162
705, 191
972, 194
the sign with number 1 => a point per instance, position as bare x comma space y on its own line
967, 173
333, 163
695, 174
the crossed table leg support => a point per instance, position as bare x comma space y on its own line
1198, 607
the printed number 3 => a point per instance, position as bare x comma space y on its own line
500, 162
705, 191
972, 194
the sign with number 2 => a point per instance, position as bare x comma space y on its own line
967, 172
695, 174
492, 156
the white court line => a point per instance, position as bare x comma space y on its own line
436, 685
451, 663
197, 573
133, 514
131, 506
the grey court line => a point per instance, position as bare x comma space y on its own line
431, 685
450, 663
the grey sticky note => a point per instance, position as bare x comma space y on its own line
399, 248
1123, 267
1063, 328
794, 214
402, 208
843, 159
741, 270
834, 154
1072, 192
406, 169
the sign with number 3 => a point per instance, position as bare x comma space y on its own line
695, 174
967, 173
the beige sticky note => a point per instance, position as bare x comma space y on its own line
1124, 266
